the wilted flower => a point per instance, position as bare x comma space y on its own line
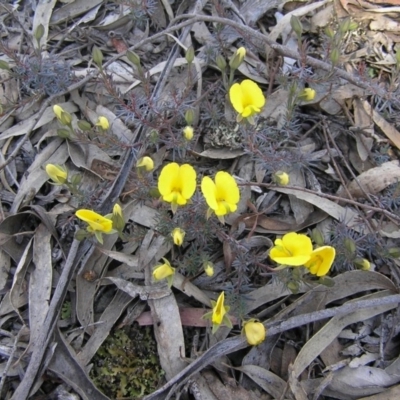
237, 58
321, 260
57, 173
208, 268
178, 236
145, 162
188, 133
223, 195
103, 123
281, 178
307, 94
218, 314
97, 223
177, 184
254, 331
63, 117
164, 271
246, 98
293, 249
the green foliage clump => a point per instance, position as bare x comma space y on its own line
127, 364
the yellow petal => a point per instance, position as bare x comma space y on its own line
208, 189
168, 178
254, 331
227, 188
321, 260
236, 97
187, 178
253, 93
96, 221
297, 244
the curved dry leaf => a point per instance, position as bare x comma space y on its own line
221, 154
331, 330
374, 180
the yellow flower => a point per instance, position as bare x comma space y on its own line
293, 249
145, 162
219, 313
281, 178
237, 58
208, 268
103, 123
64, 117
188, 133
177, 184
321, 260
307, 94
246, 98
178, 235
57, 173
223, 195
95, 221
254, 331
118, 218
164, 271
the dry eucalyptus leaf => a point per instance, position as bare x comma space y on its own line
374, 180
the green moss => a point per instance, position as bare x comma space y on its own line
127, 365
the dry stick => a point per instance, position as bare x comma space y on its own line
40, 347
239, 342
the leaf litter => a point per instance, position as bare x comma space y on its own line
151, 68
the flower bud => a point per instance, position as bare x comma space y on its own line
84, 125
394, 252
118, 218
296, 25
164, 271
344, 26
221, 63
281, 178
362, 263
145, 163
254, 331
237, 58
76, 179
329, 32
4, 65
63, 117
57, 173
208, 268
188, 133
189, 55
189, 116
307, 94
178, 235
334, 56
39, 32
103, 123
317, 237
350, 246
133, 58
293, 287
64, 133
97, 57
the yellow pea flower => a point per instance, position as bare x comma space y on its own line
293, 249
164, 271
254, 331
219, 313
247, 98
145, 162
307, 94
237, 58
281, 178
321, 260
178, 235
208, 268
103, 123
177, 184
58, 110
222, 195
57, 173
188, 133
97, 223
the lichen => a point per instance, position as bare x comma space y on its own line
127, 364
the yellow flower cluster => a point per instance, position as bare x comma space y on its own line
177, 184
295, 249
